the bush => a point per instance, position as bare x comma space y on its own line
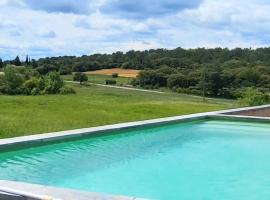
25, 81
251, 97
67, 90
41, 83
110, 82
53, 83
190, 90
114, 75
30, 84
134, 82
35, 91
237, 93
183, 90
80, 77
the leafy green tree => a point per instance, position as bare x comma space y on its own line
53, 83
46, 68
211, 82
65, 70
80, 67
214, 82
17, 61
80, 77
249, 77
155, 78
177, 80
12, 81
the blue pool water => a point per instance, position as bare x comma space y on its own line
208, 159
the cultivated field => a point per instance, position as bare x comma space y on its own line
93, 106
129, 73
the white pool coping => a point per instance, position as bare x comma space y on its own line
20, 188
41, 192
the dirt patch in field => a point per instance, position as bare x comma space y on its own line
129, 73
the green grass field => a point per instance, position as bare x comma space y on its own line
100, 79
93, 106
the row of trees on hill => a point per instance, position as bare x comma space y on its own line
219, 72
180, 58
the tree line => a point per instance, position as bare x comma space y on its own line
176, 58
219, 72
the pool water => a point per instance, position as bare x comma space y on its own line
207, 159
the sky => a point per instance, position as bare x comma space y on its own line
82, 27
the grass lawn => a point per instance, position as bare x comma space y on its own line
93, 106
94, 78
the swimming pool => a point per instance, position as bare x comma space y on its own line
203, 159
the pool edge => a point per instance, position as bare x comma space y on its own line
77, 133
42, 192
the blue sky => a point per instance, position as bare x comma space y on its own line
77, 27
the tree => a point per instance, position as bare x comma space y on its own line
17, 61
155, 78
177, 80
211, 82
203, 77
46, 68
12, 81
53, 83
80, 77
27, 60
65, 70
79, 67
1, 63
34, 63
214, 82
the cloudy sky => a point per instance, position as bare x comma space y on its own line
77, 27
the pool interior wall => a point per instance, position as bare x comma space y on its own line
213, 158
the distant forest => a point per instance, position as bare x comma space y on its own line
221, 72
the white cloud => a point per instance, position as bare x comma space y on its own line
213, 23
